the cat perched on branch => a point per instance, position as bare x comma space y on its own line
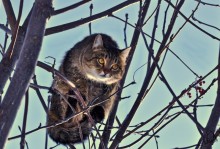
95, 65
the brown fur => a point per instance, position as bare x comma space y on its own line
96, 82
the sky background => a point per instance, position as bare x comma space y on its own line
195, 48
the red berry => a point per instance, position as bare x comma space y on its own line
198, 88
200, 83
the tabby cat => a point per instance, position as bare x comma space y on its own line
95, 65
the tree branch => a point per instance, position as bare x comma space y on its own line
10, 14
196, 26
22, 143
4, 28
59, 11
27, 63
77, 23
209, 134
134, 42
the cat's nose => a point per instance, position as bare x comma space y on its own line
106, 71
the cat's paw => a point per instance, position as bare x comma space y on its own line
98, 113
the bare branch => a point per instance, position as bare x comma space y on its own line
77, 23
4, 28
15, 32
206, 24
164, 116
20, 81
7, 63
10, 14
125, 35
60, 11
196, 26
90, 24
39, 95
22, 143
209, 4
209, 134
134, 41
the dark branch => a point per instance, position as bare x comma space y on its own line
209, 134
134, 42
59, 11
4, 28
28, 59
22, 143
196, 26
10, 14
74, 24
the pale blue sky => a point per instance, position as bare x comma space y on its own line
195, 48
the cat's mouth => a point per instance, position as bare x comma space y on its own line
105, 75
104, 78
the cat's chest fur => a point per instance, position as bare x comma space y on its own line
89, 89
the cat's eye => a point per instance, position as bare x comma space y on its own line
115, 67
101, 61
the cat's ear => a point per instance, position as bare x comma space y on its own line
98, 43
124, 53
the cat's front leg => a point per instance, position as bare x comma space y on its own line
102, 110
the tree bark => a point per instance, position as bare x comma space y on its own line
25, 67
209, 134
8, 62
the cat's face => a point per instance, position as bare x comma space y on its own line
104, 65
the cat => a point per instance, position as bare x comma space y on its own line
95, 65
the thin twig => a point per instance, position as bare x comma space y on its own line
39, 94
60, 11
209, 4
153, 34
165, 19
90, 24
196, 26
170, 89
77, 23
125, 28
158, 6
1, 50
6, 39
206, 24
187, 66
169, 107
22, 143
46, 133
5, 28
